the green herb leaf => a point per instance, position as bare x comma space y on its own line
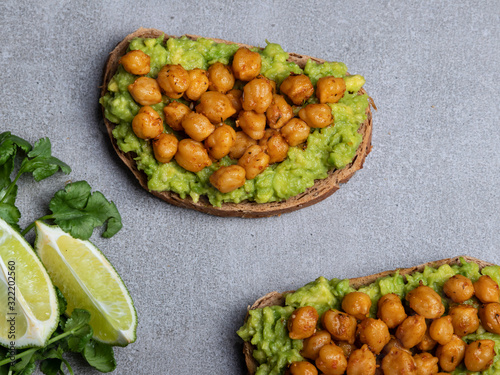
8, 210
26, 365
100, 356
41, 163
79, 318
51, 366
61, 300
5, 172
9, 144
77, 342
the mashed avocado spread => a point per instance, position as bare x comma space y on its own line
266, 328
329, 148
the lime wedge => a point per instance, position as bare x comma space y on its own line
29, 311
88, 281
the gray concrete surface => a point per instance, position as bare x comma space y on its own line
429, 190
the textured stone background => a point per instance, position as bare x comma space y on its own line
429, 190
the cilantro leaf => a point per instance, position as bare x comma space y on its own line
51, 366
41, 163
8, 210
77, 320
9, 144
5, 171
100, 356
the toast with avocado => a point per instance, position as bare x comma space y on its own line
270, 349
276, 173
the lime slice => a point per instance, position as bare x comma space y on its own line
88, 281
29, 311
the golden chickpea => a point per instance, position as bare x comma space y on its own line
295, 132
275, 146
219, 143
362, 362
301, 368
302, 323
486, 289
411, 331
165, 147
241, 143
297, 87
341, 326
192, 156
226, 179
331, 360
391, 310
427, 343
479, 355
173, 80
279, 112
221, 78
330, 89
147, 124
451, 354
458, 288
254, 160
357, 304
197, 126
426, 364
464, 319
346, 348
198, 84
174, 113
393, 342
313, 344
399, 362
252, 123
246, 64
441, 330
316, 115
135, 62
257, 95
426, 302
490, 317
145, 91
374, 333
216, 106
234, 96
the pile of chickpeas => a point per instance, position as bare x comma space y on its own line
266, 122
414, 340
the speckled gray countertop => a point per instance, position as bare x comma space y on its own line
430, 188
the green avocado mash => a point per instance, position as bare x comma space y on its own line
328, 148
266, 329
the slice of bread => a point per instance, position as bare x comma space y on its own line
321, 189
275, 298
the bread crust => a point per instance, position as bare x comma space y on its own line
278, 299
319, 191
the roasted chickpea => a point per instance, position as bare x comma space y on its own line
257, 95
246, 64
341, 326
219, 143
145, 91
346, 348
411, 331
393, 342
391, 310
330, 89
192, 156
173, 80
135, 62
426, 364
374, 333
427, 343
174, 113
331, 360
279, 112
197, 126
490, 317
451, 354
399, 362
226, 179
275, 146
165, 147
254, 160
198, 84
458, 288
464, 319
313, 344
357, 304
317, 115
147, 124
302, 323
479, 355
221, 78
486, 290
252, 123
241, 143
441, 330
216, 106
234, 96
426, 302
301, 368
362, 362
295, 132
297, 87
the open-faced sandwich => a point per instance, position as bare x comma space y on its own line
230, 129
437, 318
